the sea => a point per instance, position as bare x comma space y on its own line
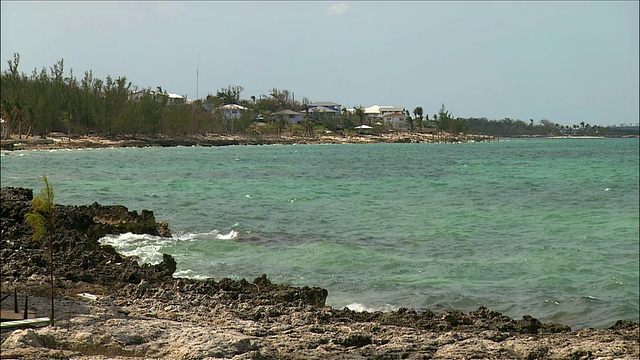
540, 227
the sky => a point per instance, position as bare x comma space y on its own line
566, 62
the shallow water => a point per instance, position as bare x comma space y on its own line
547, 227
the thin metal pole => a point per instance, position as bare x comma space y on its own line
51, 275
26, 307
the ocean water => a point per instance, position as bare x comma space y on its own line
546, 227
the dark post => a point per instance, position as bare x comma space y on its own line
15, 300
26, 307
51, 273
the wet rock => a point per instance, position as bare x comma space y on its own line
77, 253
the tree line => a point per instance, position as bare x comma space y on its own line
49, 101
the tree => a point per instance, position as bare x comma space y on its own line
417, 112
409, 120
444, 120
7, 115
230, 95
41, 220
360, 114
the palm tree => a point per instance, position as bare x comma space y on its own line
360, 114
418, 115
409, 120
43, 222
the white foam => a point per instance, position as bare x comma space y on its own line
189, 274
145, 247
231, 235
211, 235
363, 308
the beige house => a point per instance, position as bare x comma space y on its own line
375, 112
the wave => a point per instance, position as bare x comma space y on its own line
148, 248
364, 308
189, 274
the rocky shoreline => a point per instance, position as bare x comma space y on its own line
141, 311
96, 142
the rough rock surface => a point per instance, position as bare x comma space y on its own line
143, 312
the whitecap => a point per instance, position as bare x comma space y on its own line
607, 189
248, 196
364, 308
144, 247
189, 274
231, 235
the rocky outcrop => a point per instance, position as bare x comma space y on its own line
77, 253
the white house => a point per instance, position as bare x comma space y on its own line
173, 99
397, 120
293, 117
176, 99
231, 111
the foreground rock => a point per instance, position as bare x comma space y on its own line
143, 312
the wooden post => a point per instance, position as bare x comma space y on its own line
15, 300
26, 307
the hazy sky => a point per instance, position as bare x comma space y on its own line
564, 61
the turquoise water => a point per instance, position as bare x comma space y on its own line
546, 227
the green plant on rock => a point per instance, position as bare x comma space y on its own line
41, 220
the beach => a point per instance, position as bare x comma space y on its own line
109, 306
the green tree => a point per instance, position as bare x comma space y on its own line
42, 221
230, 94
409, 120
418, 112
7, 115
361, 115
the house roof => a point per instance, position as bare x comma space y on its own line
394, 114
287, 112
324, 103
175, 96
322, 109
232, 107
377, 109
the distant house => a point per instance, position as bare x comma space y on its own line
293, 117
231, 111
324, 109
136, 95
376, 112
173, 99
397, 120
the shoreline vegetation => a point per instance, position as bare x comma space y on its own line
109, 306
54, 101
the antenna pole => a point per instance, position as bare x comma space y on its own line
198, 78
